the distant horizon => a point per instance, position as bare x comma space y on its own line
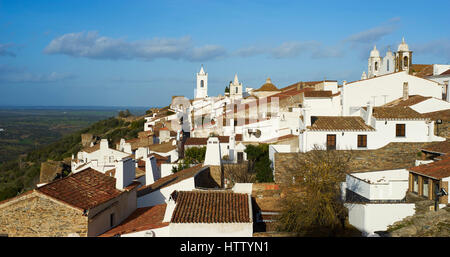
86, 53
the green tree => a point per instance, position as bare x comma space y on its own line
259, 162
195, 155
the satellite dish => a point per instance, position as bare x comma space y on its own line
149, 233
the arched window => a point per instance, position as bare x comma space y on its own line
201, 83
387, 65
376, 66
405, 61
237, 90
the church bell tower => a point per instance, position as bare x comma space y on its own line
202, 84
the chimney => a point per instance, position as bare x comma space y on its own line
306, 116
104, 144
213, 156
151, 170
125, 172
369, 113
405, 91
127, 148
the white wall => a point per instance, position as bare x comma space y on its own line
379, 185
162, 195
360, 92
369, 218
211, 229
156, 232
348, 141
431, 105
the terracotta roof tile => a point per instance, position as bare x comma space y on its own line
210, 207
437, 170
85, 189
412, 100
141, 219
439, 147
422, 70
163, 148
326, 93
204, 140
340, 123
447, 72
395, 113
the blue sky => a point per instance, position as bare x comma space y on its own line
140, 53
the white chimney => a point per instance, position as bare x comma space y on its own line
213, 156
306, 116
405, 91
127, 148
125, 172
151, 170
369, 113
104, 144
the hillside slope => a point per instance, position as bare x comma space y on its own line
22, 174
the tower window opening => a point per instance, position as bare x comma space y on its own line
376, 66
405, 61
202, 83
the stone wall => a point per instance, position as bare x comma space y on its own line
392, 156
35, 215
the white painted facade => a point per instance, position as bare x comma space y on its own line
369, 218
102, 160
383, 89
379, 185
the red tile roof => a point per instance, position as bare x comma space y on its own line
85, 189
339, 123
439, 148
326, 93
204, 140
412, 100
210, 207
447, 72
170, 180
394, 113
141, 219
437, 170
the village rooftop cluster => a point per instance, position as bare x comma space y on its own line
131, 189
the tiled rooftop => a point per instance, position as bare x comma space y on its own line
85, 189
141, 219
439, 147
437, 170
211, 207
412, 100
340, 123
394, 113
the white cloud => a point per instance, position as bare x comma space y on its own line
4, 50
92, 45
374, 34
20, 75
439, 48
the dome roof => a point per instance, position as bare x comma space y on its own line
403, 47
374, 52
268, 86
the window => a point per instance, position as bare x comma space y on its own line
111, 220
405, 61
237, 90
376, 66
201, 83
400, 130
415, 183
331, 142
425, 187
387, 63
362, 140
